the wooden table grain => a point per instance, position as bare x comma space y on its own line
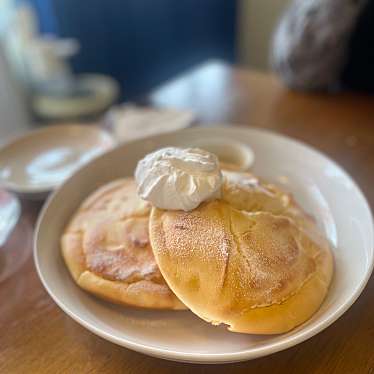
37, 337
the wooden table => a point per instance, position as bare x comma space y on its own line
37, 337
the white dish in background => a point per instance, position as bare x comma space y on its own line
319, 184
94, 93
129, 122
36, 163
232, 154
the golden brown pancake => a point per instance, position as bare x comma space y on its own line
244, 260
246, 191
107, 249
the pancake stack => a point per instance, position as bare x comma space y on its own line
252, 259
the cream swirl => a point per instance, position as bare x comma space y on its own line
178, 178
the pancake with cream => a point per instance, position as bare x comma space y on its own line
107, 250
251, 260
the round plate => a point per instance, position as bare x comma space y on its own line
319, 184
36, 163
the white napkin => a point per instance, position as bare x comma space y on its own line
128, 122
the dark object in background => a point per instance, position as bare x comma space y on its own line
142, 43
326, 45
358, 73
311, 42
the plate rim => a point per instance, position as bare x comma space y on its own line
32, 133
215, 358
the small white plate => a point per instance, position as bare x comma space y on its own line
36, 163
319, 184
233, 155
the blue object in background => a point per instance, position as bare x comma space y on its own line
46, 15
142, 43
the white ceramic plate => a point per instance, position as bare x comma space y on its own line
319, 184
36, 163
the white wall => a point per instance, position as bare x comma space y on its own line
257, 20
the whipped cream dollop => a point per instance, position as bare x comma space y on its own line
179, 178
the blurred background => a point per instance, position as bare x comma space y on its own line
63, 59
77, 58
